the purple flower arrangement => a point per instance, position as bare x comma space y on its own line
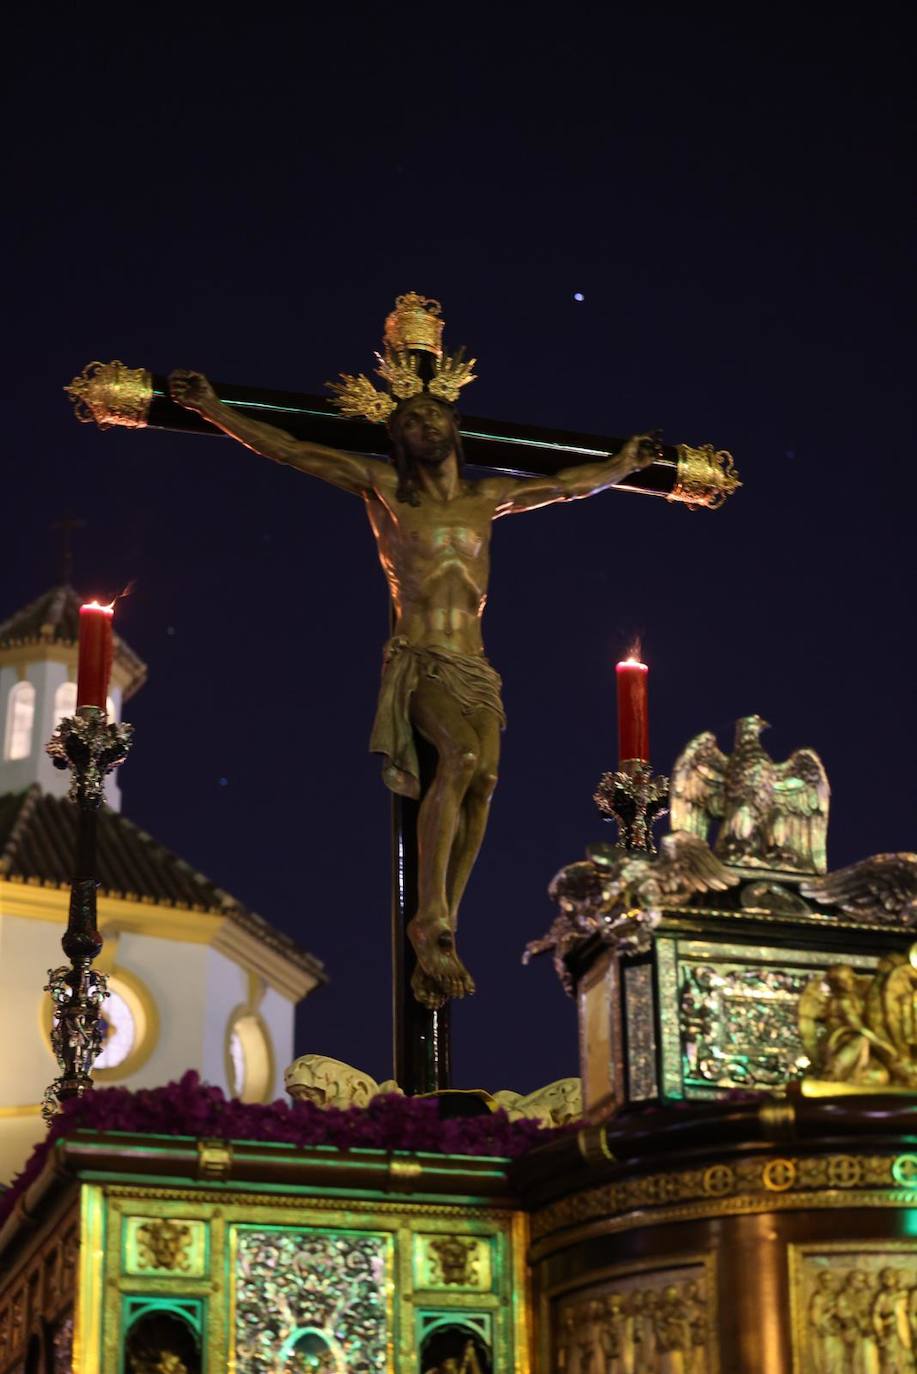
192, 1108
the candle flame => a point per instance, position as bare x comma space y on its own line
97, 606
634, 657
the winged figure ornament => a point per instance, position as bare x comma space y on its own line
621, 895
862, 1028
882, 889
772, 815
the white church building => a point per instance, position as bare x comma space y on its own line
197, 981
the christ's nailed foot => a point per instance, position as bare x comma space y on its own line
440, 973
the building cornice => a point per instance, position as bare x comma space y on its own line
156, 921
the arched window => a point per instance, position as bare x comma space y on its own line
64, 701
20, 718
249, 1057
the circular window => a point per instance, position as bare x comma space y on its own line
119, 1031
130, 1027
249, 1057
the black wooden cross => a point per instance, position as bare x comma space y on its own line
111, 394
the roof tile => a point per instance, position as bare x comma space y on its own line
38, 841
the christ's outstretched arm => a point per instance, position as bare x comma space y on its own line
351, 472
516, 494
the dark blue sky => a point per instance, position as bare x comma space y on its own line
733, 198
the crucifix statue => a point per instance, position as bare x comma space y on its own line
439, 713
432, 526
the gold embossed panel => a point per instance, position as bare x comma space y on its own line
729, 1014
854, 1307
655, 1319
165, 1245
329, 1295
453, 1262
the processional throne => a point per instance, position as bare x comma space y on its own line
748, 1038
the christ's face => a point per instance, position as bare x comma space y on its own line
427, 431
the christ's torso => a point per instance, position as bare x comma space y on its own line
436, 558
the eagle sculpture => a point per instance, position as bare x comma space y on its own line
772, 815
620, 896
881, 890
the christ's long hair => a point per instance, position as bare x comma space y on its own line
404, 465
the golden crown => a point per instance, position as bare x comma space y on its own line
413, 328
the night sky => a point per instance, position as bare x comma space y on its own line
731, 196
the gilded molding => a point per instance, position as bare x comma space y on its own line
744, 1185
592, 1143
779, 1118
405, 1170
706, 476
111, 394
214, 1159
293, 1206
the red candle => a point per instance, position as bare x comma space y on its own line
633, 717
94, 663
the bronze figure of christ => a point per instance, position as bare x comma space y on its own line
432, 527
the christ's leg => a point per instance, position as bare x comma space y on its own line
439, 719
475, 810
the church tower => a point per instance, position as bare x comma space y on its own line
38, 649
197, 981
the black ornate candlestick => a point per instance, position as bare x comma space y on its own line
90, 747
636, 798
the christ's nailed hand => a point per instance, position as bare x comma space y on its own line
192, 390
640, 451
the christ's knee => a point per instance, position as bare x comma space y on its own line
460, 766
484, 783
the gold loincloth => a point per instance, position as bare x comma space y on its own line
468, 678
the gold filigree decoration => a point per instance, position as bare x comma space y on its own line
111, 394
356, 397
452, 373
412, 328
164, 1244
398, 369
456, 1259
858, 1028
706, 476
416, 322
